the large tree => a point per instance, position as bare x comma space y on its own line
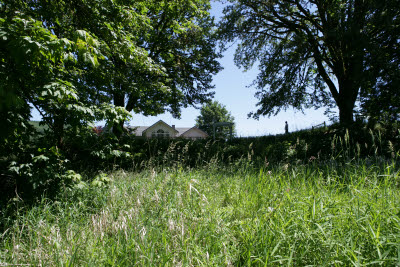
158, 55
181, 41
40, 68
143, 56
310, 53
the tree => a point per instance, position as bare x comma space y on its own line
143, 56
380, 99
182, 42
41, 69
310, 53
157, 55
43, 64
211, 113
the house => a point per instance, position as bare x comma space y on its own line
161, 129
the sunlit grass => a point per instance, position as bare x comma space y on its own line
317, 214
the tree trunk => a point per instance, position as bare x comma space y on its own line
348, 92
119, 101
346, 110
58, 124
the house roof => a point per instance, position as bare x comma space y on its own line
188, 129
182, 130
140, 130
158, 122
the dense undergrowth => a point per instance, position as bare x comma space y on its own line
324, 143
31, 168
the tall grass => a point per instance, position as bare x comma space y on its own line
335, 213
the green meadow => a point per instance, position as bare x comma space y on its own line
316, 214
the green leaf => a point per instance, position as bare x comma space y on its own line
81, 34
88, 58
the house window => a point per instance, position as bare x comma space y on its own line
162, 134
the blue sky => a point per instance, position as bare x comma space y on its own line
231, 90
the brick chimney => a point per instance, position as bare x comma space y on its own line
173, 127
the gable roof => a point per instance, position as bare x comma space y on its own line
192, 128
158, 122
182, 130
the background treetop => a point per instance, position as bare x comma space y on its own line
211, 113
